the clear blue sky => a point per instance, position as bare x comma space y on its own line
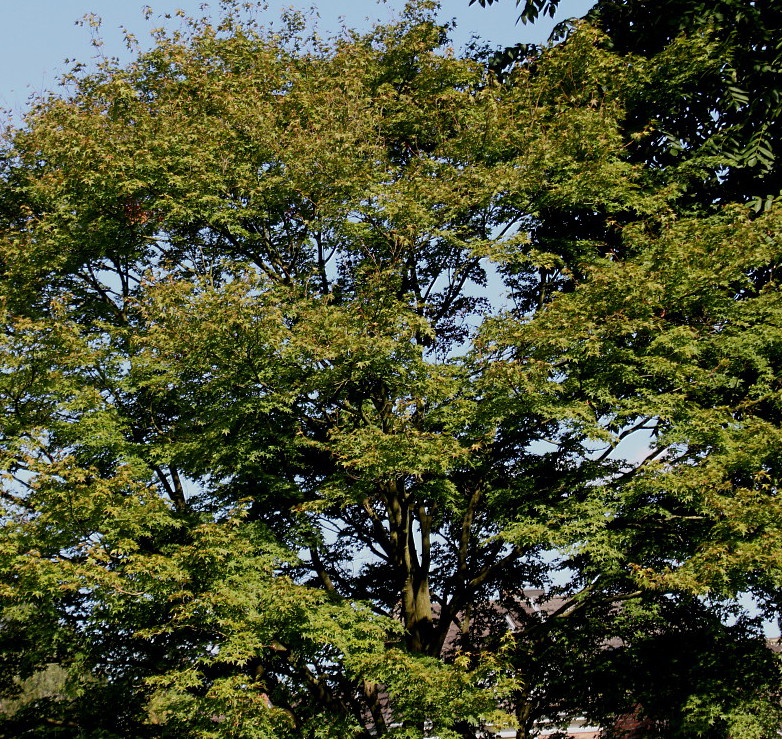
36, 36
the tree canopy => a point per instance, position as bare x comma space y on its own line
350, 391
727, 119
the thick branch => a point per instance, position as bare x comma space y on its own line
320, 570
174, 491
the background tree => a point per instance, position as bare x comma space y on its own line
274, 463
725, 122
719, 143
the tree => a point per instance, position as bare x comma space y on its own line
725, 121
275, 465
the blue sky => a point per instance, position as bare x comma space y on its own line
36, 36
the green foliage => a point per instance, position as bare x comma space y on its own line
274, 464
726, 120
